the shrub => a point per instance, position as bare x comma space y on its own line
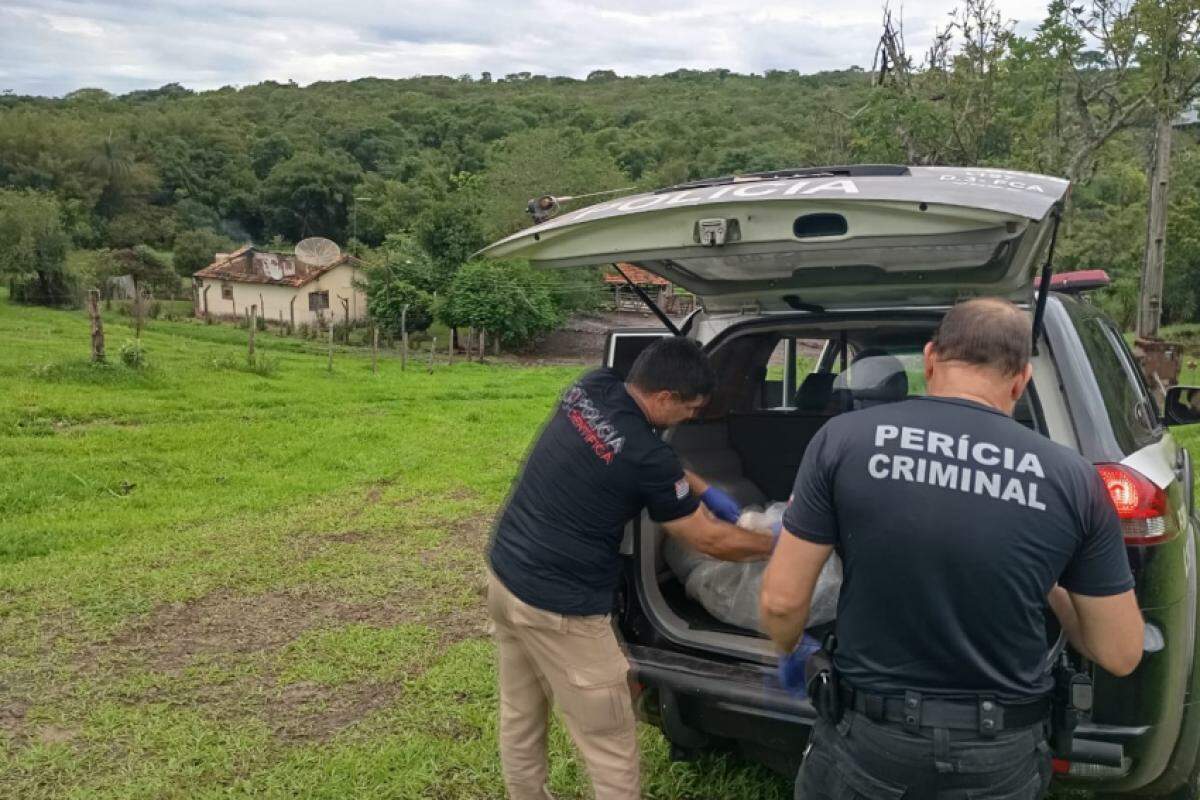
505, 297
387, 295
263, 365
133, 354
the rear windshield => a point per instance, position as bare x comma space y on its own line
1130, 410
873, 371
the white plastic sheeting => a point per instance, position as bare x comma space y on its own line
729, 589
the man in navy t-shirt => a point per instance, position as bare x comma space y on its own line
957, 527
555, 561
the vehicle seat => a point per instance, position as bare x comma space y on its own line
874, 378
815, 395
771, 445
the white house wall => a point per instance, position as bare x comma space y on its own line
275, 299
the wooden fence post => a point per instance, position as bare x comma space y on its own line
250, 340
375, 349
137, 310
97, 326
404, 338
331, 346
206, 288
292, 316
450, 349
482, 342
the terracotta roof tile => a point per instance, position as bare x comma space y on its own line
234, 268
636, 274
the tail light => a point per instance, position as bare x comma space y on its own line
1140, 504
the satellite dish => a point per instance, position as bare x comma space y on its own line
317, 251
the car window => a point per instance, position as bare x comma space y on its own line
874, 376
1130, 410
804, 354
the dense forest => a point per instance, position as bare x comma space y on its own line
419, 173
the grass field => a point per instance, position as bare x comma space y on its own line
215, 582
222, 582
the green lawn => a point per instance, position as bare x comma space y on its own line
220, 583
215, 582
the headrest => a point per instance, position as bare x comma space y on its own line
815, 392
873, 378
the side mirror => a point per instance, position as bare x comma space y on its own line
1182, 405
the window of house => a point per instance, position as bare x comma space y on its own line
318, 301
226, 291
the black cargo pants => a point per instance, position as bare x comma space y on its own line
859, 758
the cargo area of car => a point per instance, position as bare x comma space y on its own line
776, 389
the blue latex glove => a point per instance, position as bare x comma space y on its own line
791, 666
721, 505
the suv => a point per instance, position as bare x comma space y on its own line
799, 272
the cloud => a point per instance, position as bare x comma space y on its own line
56, 46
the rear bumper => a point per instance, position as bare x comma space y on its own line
700, 703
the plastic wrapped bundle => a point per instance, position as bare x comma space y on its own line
729, 589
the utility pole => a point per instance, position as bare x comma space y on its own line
1150, 303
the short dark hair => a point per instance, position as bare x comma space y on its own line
986, 332
675, 364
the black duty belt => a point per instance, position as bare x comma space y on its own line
914, 711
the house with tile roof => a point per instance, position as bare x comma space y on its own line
284, 288
668, 296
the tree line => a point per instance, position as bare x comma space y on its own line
418, 174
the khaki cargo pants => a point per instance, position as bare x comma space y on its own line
577, 663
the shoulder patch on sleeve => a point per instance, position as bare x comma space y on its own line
681, 488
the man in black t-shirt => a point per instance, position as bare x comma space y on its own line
555, 561
956, 527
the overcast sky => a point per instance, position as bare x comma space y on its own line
51, 47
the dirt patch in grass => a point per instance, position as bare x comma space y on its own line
311, 712
12, 717
221, 652
53, 734
349, 537
239, 637
175, 635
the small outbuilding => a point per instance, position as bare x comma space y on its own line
283, 287
659, 289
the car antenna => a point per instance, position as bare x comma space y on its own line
547, 206
1039, 310
650, 304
